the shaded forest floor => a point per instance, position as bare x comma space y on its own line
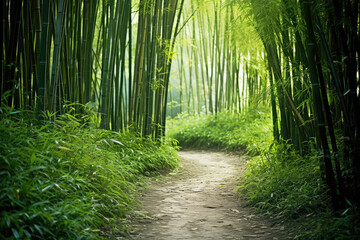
199, 202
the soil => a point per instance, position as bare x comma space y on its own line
199, 202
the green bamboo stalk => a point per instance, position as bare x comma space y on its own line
42, 58
56, 56
330, 179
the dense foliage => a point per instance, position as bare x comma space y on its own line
226, 131
278, 180
66, 180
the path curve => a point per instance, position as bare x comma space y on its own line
199, 202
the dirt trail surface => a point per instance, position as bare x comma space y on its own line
199, 202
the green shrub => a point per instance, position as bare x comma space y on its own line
344, 226
281, 182
64, 180
250, 131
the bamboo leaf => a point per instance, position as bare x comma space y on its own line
48, 187
117, 142
15, 233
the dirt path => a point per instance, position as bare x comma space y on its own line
200, 203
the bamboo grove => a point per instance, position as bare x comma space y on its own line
219, 60
300, 57
56, 52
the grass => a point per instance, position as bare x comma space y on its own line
250, 132
278, 181
66, 180
284, 183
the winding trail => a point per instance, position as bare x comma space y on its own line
199, 202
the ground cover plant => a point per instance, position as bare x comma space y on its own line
278, 180
65, 180
227, 131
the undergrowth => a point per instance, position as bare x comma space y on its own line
281, 182
224, 131
278, 181
65, 180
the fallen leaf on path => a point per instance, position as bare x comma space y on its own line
235, 210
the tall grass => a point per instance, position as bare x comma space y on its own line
250, 131
66, 180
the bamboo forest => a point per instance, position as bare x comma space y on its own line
180, 119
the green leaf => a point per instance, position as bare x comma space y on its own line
28, 235
37, 168
32, 158
48, 187
38, 228
39, 203
19, 203
117, 142
8, 221
15, 112
5, 172
15, 233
